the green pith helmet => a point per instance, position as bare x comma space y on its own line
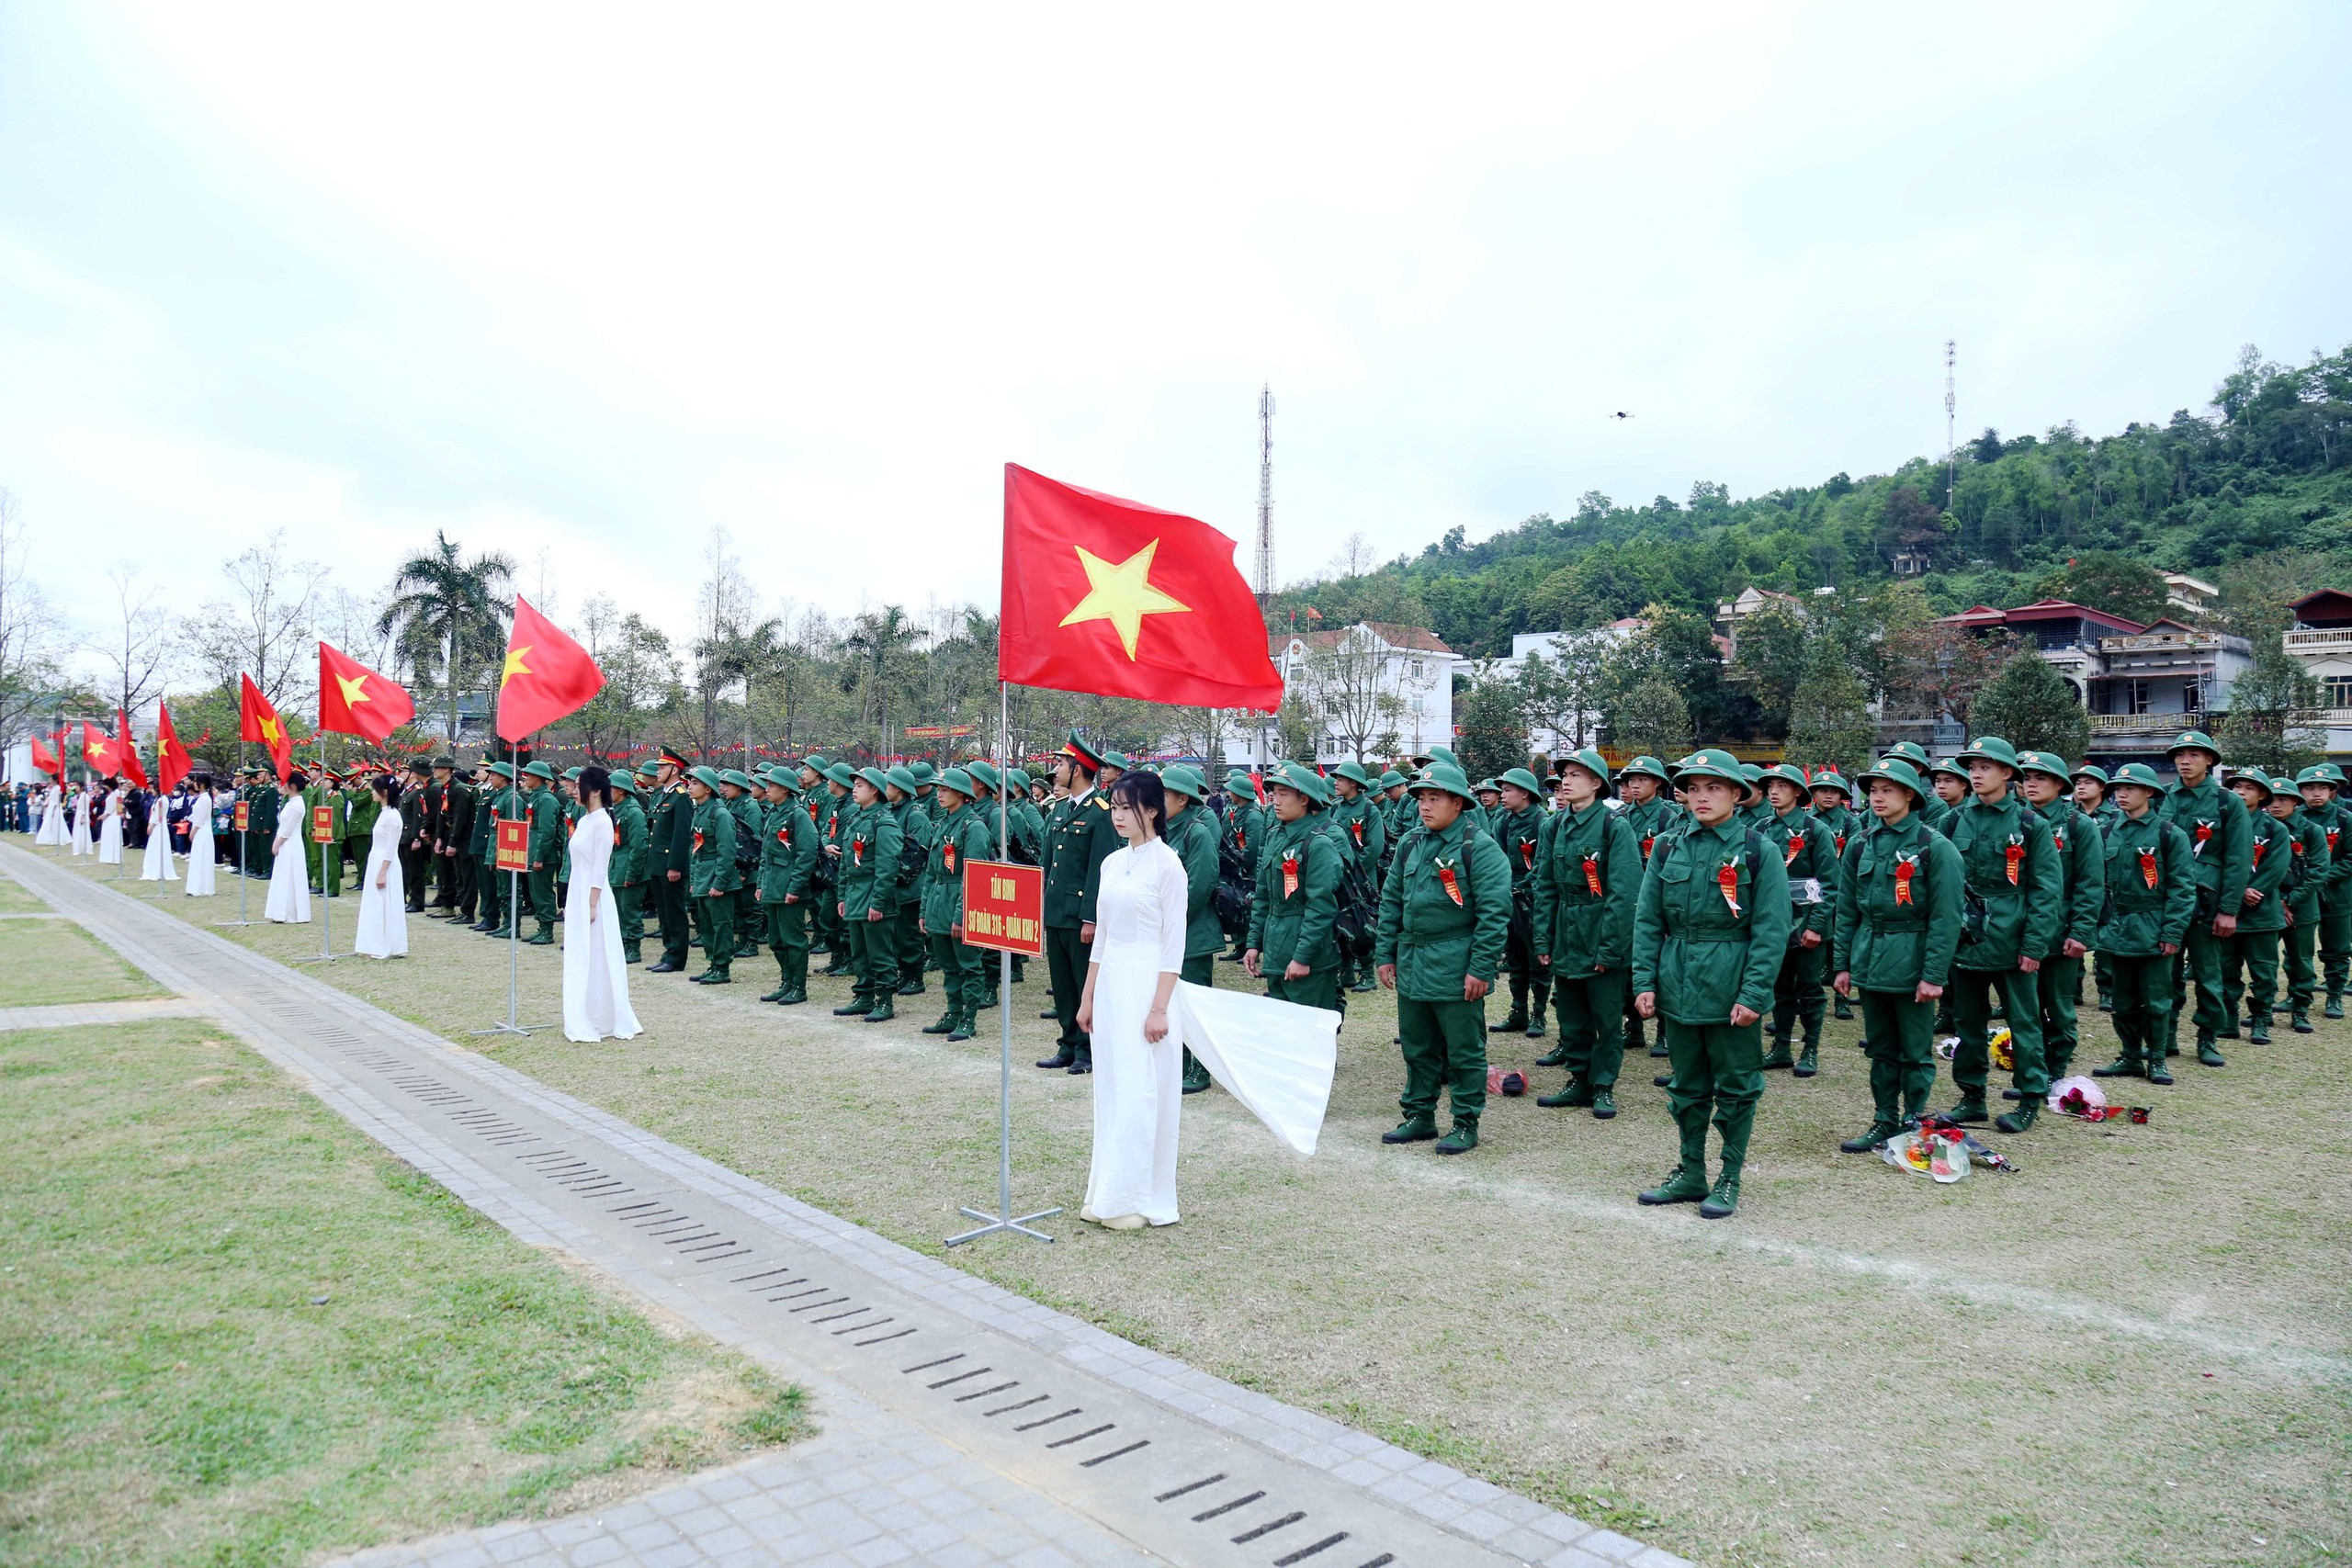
1352, 771
1895, 770
1304, 779
1591, 762
571, 776
1912, 752
817, 762
2047, 764
876, 777
924, 773
1445, 755
903, 778
2138, 773
786, 780
2194, 740
1238, 783
1017, 780
1990, 749
1488, 786
504, 769
1788, 774
445, 760
1183, 780
623, 782
1649, 767
1118, 759
707, 777
2092, 772
1830, 779
1389, 780
1951, 765
979, 771
960, 780
1088, 757
737, 778
2322, 773
1444, 777
1712, 762
841, 774
1524, 779
2255, 777
540, 770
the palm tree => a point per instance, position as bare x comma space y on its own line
881, 646
449, 609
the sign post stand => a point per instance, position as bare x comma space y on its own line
1004, 907
512, 839
323, 835
239, 816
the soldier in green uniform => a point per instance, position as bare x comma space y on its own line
476, 849
501, 898
544, 805
1588, 875
1293, 945
959, 837
1242, 831
1709, 933
2221, 844
1646, 804
669, 859
1193, 832
2013, 876
788, 858
1900, 893
817, 799
2250, 958
361, 807
1396, 815
1354, 814
324, 861
1444, 920
2307, 910
2044, 781
711, 876
2151, 901
1802, 845
1947, 776
1833, 808
2090, 800
865, 876
1079, 837
1517, 825
1028, 837
2322, 787
735, 789
914, 849
566, 790
628, 871
834, 812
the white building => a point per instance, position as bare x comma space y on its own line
1587, 648
2321, 642
1378, 688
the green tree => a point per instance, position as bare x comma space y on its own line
2274, 721
1492, 718
1652, 719
1771, 657
1829, 717
2031, 706
448, 611
2104, 580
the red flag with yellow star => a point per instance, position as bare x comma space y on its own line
354, 700
171, 757
258, 720
1114, 597
127, 751
99, 752
547, 675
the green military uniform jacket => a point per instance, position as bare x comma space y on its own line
2024, 905
2270, 849
2314, 865
669, 833
1839, 825
1360, 822
1241, 830
1291, 918
915, 829
1434, 938
1026, 828
2081, 875
958, 838
787, 851
870, 844
361, 808
547, 837
1651, 820
1192, 833
501, 804
2151, 886
482, 841
1899, 899
1520, 834
570, 817
1804, 845
1581, 930
1079, 838
711, 870
2220, 841
629, 842
1699, 952
2333, 823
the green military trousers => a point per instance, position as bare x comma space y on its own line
1319, 988
2144, 1007
330, 855
1445, 1048
1718, 1071
1899, 1037
2249, 977
1591, 1007
715, 923
1066, 960
787, 929
2196, 982
627, 903
2335, 933
2059, 983
2302, 948
914, 948
874, 957
492, 882
671, 914
540, 884
961, 972
1796, 997
1971, 991
751, 923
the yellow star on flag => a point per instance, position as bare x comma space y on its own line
515, 665
269, 732
355, 688
1122, 594
97, 748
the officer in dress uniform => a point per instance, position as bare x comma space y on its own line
1588, 875
1444, 921
2151, 901
416, 835
2221, 844
957, 836
866, 875
788, 862
1516, 824
2044, 780
1079, 838
1193, 832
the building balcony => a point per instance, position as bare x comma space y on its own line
2320, 642
2145, 723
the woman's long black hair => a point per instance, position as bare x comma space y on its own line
1142, 793
596, 779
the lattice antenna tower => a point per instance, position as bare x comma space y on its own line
1265, 572
1951, 427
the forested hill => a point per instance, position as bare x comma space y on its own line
2267, 468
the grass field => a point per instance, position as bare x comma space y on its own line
234, 1332
2134, 1350
50, 963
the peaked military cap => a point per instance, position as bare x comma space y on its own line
670, 755
1087, 756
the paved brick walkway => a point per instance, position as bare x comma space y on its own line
959, 1423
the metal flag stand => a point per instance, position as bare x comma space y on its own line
326, 953
513, 924
1004, 1218
244, 836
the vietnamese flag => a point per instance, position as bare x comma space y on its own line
1124, 600
98, 750
547, 675
257, 720
354, 700
47, 760
128, 746
171, 757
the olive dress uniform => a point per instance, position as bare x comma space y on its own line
627, 873
2250, 956
1520, 834
1193, 833
867, 869
2307, 885
788, 862
2151, 901
1899, 902
1295, 910
2221, 847
2013, 868
1079, 838
1802, 845
958, 838
1444, 918
670, 847
1587, 878
1709, 931
712, 881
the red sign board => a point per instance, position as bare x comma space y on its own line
1004, 907
323, 824
243, 814
514, 845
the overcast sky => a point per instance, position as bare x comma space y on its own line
594, 280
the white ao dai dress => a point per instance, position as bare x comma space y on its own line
596, 974
52, 815
289, 874
200, 845
1138, 1086
110, 830
383, 911
155, 863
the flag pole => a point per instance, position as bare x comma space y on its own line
514, 920
1003, 1220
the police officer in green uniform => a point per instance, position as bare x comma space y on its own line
1193, 832
1517, 825
2221, 844
959, 837
1709, 933
1355, 815
2322, 787
1587, 876
787, 859
711, 877
2045, 782
906, 890
544, 805
628, 871
866, 880
1294, 945
1803, 848
1444, 920
1079, 838
2090, 800
1900, 893
2250, 958
2306, 908
2014, 877
1833, 808
2151, 902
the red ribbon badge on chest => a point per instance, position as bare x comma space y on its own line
1839, 839
2260, 845
1447, 880
1527, 852
2148, 866
2014, 856
1905, 868
2331, 838
698, 842
2204, 831
1357, 829
1647, 843
856, 852
1795, 847
1241, 840
947, 855
784, 834
2297, 844
1727, 879
1592, 874
1290, 873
